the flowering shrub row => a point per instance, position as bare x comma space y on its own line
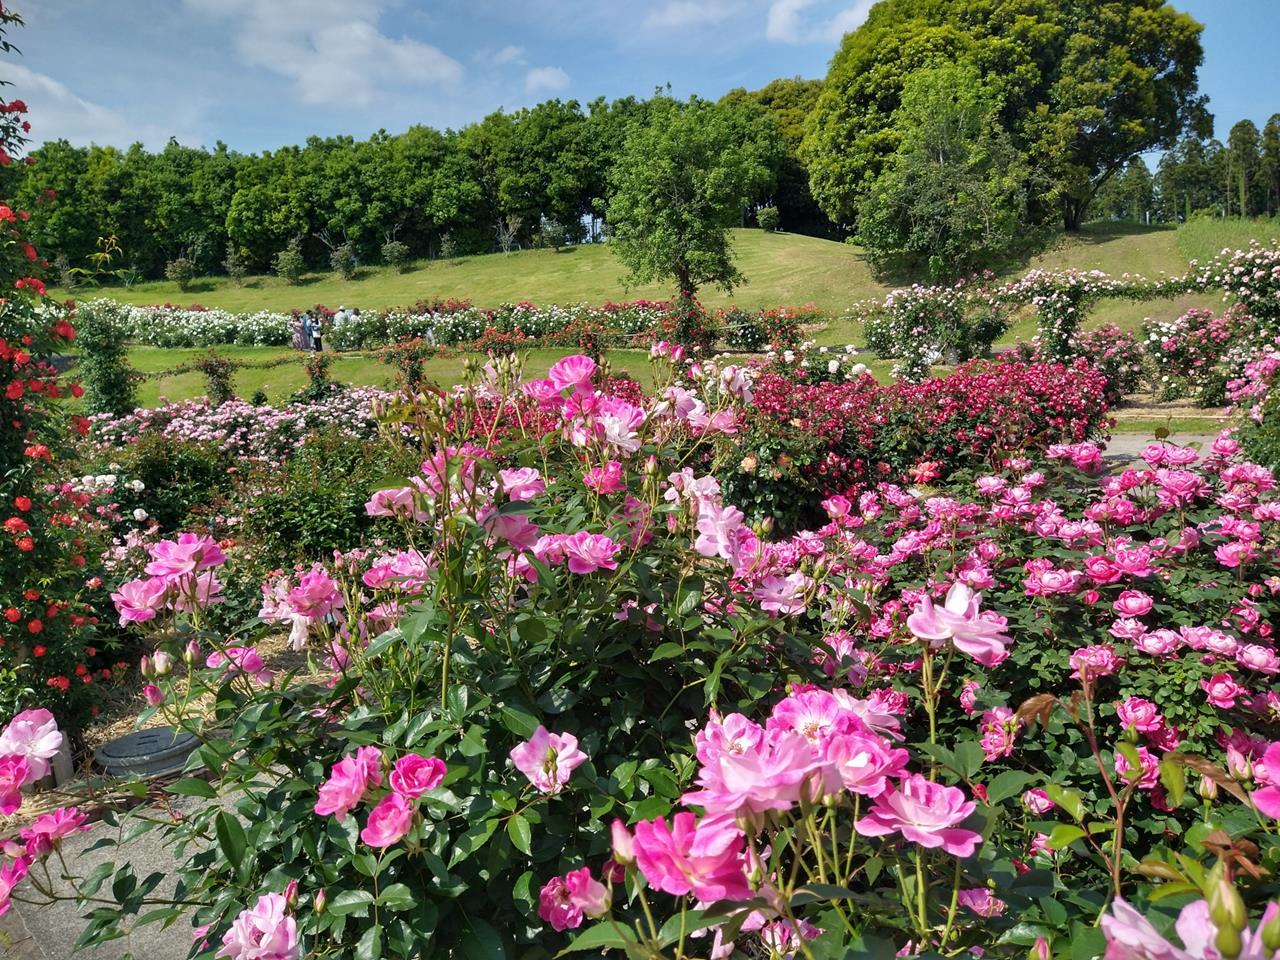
452, 322
1196, 355
923, 325
814, 439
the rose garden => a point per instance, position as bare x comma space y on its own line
695, 641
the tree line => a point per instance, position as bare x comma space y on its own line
947, 135
499, 183
1202, 177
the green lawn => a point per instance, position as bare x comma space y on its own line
780, 269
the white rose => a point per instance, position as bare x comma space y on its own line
833, 366
140, 515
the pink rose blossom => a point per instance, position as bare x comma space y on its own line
863, 763
981, 901
772, 776
1267, 799
923, 812
1132, 603
348, 780
389, 821
47, 830
523, 483
399, 502
605, 480
190, 553
980, 636
1140, 714
14, 772
245, 660
11, 874
1221, 690
704, 859
572, 371
589, 552
548, 759
34, 736
138, 601
556, 906
783, 595
1149, 773
413, 775
264, 932
1090, 663
587, 894
1037, 801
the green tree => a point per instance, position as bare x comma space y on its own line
1084, 86
1243, 148
682, 180
1269, 165
953, 197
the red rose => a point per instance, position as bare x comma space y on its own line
13, 614
22, 503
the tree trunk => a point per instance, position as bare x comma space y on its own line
684, 279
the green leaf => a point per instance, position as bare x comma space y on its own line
370, 945
519, 720
1008, 784
192, 787
600, 937
1068, 800
350, 901
521, 834
666, 651
688, 594
397, 897
482, 942
231, 838
1063, 835
472, 840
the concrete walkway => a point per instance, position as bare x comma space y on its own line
29, 932
1129, 446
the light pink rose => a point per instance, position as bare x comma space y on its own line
138, 601
348, 780
548, 759
263, 932
34, 736
960, 621
572, 372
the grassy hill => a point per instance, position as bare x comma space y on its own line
780, 269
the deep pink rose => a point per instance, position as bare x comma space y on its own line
389, 821
413, 775
923, 812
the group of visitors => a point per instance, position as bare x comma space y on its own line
310, 327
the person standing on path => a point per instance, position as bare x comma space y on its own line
308, 332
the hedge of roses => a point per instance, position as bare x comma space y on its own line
1255, 402
813, 439
589, 707
454, 322
1196, 355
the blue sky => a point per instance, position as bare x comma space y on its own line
262, 73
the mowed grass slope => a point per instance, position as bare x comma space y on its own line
781, 269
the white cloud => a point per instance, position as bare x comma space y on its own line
332, 50
789, 23
58, 113
677, 14
545, 80
509, 55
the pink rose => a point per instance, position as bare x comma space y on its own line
34, 736
263, 932
413, 775
606, 479
981, 901
1139, 714
556, 906
388, 822
572, 372
14, 772
523, 483
705, 859
190, 553
923, 812
1132, 603
589, 552
587, 894
1221, 690
548, 759
980, 636
1037, 801
348, 780
138, 601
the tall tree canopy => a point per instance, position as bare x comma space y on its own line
1084, 86
682, 180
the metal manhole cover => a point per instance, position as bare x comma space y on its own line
147, 753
